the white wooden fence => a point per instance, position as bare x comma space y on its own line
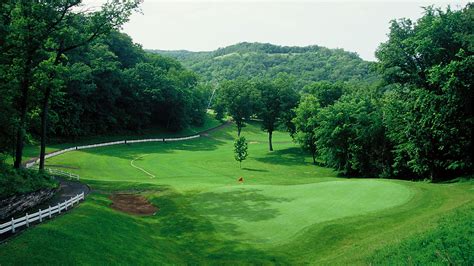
56, 153
40, 215
62, 173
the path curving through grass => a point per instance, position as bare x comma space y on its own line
139, 168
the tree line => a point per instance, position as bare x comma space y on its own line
66, 71
415, 122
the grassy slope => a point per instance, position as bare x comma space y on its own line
206, 216
357, 239
452, 242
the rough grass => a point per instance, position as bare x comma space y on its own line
287, 210
451, 242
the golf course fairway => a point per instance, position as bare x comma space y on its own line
286, 210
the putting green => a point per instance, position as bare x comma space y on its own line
267, 214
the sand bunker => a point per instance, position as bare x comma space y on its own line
132, 204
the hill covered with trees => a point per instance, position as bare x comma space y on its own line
262, 60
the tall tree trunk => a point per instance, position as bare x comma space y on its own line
44, 126
20, 134
44, 115
432, 173
312, 147
239, 128
270, 133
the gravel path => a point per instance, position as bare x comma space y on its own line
67, 190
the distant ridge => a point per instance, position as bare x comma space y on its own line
247, 60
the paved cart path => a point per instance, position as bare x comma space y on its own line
67, 190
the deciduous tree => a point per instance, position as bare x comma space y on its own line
237, 98
274, 105
240, 149
427, 67
306, 122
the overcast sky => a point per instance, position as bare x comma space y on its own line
358, 26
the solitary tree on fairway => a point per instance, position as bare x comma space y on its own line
240, 149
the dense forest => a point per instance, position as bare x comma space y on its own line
76, 75
263, 60
114, 85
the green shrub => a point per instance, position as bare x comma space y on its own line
21, 181
452, 242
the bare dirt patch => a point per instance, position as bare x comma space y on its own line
132, 204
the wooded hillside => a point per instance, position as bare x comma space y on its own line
249, 60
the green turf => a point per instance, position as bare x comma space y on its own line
272, 214
286, 211
452, 242
32, 150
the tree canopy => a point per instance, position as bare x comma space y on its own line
67, 72
274, 105
417, 121
262, 60
428, 67
238, 99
